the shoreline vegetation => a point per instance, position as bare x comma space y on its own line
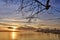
54, 31
47, 30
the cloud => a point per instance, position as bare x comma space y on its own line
8, 14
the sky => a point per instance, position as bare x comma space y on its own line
9, 14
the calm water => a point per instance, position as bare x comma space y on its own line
28, 35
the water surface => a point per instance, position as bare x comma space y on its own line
28, 35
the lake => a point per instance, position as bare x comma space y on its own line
28, 35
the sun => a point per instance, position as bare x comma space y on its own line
14, 27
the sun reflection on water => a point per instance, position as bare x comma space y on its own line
14, 34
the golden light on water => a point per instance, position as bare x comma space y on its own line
14, 34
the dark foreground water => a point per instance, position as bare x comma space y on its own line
28, 35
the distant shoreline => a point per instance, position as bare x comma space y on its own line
43, 31
21, 29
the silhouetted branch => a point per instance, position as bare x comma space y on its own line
39, 2
32, 16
